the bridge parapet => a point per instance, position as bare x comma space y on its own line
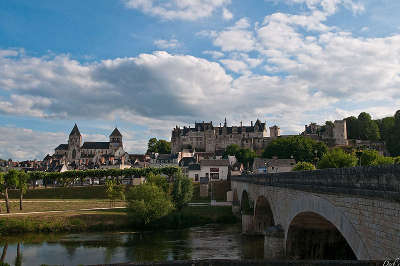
378, 181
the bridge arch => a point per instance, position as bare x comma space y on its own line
245, 203
310, 211
263, 215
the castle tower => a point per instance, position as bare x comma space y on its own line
274, 131
74, 145
340, 132
116, 139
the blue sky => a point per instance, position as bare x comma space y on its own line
148, 65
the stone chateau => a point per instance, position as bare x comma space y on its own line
205, 137
90, 153
209, 138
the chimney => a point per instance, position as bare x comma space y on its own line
251, 123
241, 124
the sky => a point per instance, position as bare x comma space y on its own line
146, 66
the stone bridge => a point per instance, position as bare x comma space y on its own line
349, 213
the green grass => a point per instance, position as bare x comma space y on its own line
109, 220
30, 205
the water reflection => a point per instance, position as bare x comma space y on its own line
210, 241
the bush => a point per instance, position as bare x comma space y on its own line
304, 166
337, 158
158, 180
147, 203
382, 160
372, 157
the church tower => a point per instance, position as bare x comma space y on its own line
74, 145
116, 140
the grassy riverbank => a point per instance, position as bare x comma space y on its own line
110, 220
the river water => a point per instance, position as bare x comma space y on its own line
205, 242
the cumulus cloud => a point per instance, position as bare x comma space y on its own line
180, 9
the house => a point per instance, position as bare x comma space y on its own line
194, 172
214, 170
162, 160
274, 165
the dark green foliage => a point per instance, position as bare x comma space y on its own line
245, 156
304, 166
337, 158
159, 146
182, 191
352, 127
232, 150
159, 181
368, 157
146, 204
301, 148
385, 126
368, 128
393, 141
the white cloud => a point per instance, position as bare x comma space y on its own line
167, 44
331, 6
235, 65
178, 9
214, 54
226, 14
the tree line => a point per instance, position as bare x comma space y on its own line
386, 129
18, 179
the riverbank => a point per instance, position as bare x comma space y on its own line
111, 220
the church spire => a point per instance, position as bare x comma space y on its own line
75, 131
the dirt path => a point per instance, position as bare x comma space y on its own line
48, 212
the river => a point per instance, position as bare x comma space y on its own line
205, 242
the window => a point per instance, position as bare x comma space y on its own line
196, 177
214, 175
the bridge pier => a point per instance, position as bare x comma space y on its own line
274, 243
248, 224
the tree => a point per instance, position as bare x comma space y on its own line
10, 180
393, 141
385, 126
302, 149
337, 158
246, 157
158, 180
182, 190
147, 203
303, 166
159, 146
368, 128
396, 160
114, 191
352, 128
231, 150
152, 145
22, 184
163, 146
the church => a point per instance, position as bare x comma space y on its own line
91, 154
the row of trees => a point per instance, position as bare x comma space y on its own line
386, 129
15, 179
298, 147
338, 158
